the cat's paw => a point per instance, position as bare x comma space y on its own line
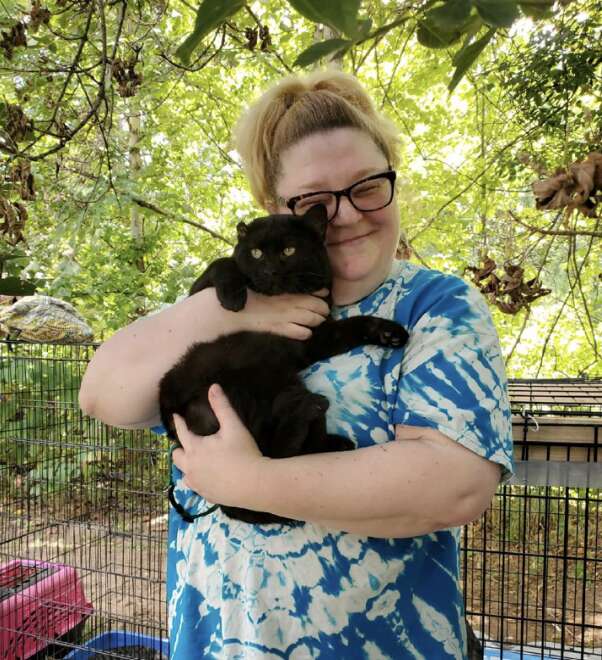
319, 404
387, 333
232, 298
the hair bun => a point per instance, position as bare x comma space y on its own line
299, 106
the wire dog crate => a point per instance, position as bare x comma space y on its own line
533, 563
84, 499
86, 503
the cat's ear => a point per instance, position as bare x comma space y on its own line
317, 219
241, 230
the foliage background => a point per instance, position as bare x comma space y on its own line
110, 226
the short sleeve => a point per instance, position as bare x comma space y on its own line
452, 374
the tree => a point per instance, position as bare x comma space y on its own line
119, 153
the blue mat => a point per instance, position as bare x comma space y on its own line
497, 654
118, 639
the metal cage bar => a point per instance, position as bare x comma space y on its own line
77, 494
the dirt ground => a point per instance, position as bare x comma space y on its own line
120, 559
121, 567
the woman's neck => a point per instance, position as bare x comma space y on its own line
346, 292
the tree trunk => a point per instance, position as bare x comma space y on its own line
134, 121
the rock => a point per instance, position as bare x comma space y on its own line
44, 319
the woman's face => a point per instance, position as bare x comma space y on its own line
361, 244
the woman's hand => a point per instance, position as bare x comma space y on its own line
292, 315
224, 467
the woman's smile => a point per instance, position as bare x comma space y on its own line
348, 240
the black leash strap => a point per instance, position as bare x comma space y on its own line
185, 515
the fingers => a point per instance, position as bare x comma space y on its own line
177, 456
308, 318
219, 403
290, 315
322, 293
313, 304
287, 303
181, 431
179, 460
294, 331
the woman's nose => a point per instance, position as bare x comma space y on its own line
347, 213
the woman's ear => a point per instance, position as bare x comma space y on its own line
271, 207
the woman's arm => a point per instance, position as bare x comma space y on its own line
418, 483
408, 487
468, 480
121, 384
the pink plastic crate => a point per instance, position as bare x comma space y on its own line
39, 602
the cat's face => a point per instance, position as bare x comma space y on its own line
285, 253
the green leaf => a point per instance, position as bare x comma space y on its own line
13, 286
450, 16
497, 13
537, 9
338, 14
364, 27
319, 50
14, 254
431, 36
11, 10
466, 57
210, 14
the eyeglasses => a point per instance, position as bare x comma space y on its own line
369, 194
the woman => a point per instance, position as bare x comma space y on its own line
373, 572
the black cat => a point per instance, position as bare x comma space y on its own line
258, 371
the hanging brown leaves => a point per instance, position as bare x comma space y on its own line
23, 178
13, 216
38, 16
579, 187
15, 37
507, 290
252, 35
126, 76
15, 122
264, 37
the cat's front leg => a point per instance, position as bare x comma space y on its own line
337, 337
381, 332
230, 284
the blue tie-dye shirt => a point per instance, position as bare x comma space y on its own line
237, 590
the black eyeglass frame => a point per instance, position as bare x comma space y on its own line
389, 174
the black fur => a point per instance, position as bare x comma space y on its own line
259, 370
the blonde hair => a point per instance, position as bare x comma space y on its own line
299, 106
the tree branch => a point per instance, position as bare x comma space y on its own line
555, 232
156, 209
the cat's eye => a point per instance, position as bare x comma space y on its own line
256, 253
288, 251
